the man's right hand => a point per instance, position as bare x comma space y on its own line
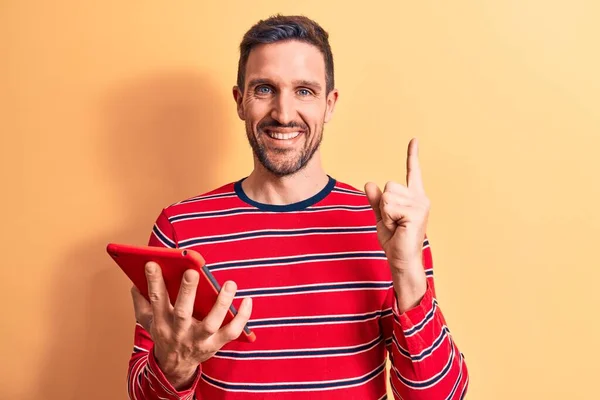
181, 342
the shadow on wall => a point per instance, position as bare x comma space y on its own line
162, 140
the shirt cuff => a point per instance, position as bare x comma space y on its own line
418, 313
164, 385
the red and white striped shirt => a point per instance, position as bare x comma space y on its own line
324, 309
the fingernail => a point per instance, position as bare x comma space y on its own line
228, 287
150, 268
246, 305
190, 276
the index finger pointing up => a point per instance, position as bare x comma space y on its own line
414, 180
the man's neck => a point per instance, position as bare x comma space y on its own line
264, 187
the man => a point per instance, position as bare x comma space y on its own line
335, 279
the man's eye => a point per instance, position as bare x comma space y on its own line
304, 92
263, 90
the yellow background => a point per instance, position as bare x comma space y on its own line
111, 110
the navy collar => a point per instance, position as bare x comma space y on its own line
301, 205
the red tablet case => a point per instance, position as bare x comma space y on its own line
174, 262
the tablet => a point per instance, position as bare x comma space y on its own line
173, 262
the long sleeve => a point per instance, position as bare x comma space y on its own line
145, 380
426, 363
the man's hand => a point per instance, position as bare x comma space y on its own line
181, 342
402, 212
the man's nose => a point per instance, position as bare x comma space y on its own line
283, 108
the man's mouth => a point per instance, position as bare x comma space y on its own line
282, 135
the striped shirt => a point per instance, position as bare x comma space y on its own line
324, 309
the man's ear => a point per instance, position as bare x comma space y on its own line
238, 96
332, 98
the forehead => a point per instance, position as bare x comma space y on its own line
286, 61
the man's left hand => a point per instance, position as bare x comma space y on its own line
402, 213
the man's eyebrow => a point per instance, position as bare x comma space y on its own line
304, 82
259, 81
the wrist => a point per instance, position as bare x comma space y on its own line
181, 380
181, 377
410, 285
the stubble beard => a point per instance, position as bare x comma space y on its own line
288, 166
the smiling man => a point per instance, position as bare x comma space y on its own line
331, 279
285, 106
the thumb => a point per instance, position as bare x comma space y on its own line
374, 195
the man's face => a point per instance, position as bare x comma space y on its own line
284, 104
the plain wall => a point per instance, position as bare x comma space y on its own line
111, 110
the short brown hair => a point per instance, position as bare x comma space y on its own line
281, 28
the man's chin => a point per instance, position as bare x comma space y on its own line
283, 171
282, 168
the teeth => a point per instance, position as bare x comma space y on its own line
284, 136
